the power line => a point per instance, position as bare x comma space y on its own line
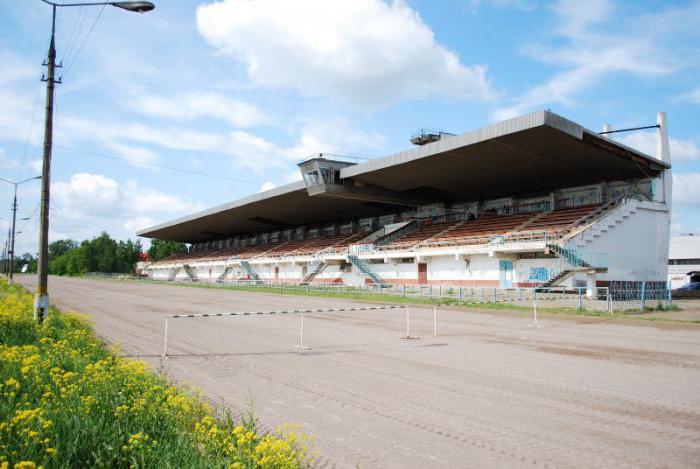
74, 33
155, 165
85, 39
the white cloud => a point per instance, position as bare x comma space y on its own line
330, 135
18, 84
138, 156
8, 163
692, 97
292, 176
365, 52
681, 150
594, 41
87, 204
267, 186
36, 165
201, 104
14, 164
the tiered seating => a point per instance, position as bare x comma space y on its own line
180, 256
488, 226
313, 245
478, 231
283, 248
483, 227
419, 235
559, 219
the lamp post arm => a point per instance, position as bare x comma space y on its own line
29, 179
9, 182
90, 4
139, 7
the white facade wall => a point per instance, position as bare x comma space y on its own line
403, 272
481, 270
636, 247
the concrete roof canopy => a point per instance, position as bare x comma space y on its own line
527, 155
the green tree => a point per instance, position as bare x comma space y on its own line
161, 249
100, 254
60, 247
28, 260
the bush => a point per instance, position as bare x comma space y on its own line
65, 401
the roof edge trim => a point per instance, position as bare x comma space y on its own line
277, 191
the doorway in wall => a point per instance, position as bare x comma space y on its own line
505, 270
422, 273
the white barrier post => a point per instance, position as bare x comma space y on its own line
534, 310
408, 324
301, 345
165, 340
300, 312
434, 321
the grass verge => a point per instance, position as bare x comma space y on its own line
66, 401
363, 295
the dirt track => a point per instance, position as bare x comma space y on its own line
488, 391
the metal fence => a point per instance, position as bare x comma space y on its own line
621, 297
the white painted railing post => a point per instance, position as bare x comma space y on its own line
301, 345
408, 323
434, 321
165, 340
534, 306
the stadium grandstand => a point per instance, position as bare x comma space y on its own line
534, 201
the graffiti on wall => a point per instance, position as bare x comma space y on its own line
539, 273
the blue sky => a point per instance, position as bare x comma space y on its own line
241, 90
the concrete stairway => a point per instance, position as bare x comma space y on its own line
605, 224
249, 270
365, 270
317, 269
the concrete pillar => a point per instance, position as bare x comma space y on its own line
591, 290
663, 152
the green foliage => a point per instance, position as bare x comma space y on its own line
65, 401
100, 254
61, 247
28, 260
161, 249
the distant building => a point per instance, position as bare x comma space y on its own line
684, 260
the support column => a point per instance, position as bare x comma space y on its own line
663, 152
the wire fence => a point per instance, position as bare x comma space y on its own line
618, 297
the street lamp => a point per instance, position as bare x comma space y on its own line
11, 247
41, 300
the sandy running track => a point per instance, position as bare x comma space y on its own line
488, 391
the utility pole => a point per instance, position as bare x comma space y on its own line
7, 252
41, 300
4, 257
12, 239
